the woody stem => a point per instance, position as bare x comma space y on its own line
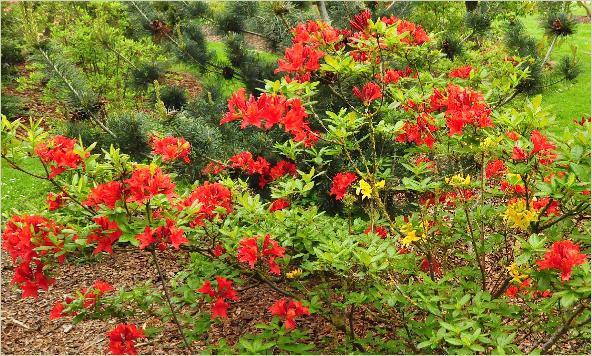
168, 299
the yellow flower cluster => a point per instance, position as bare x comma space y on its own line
366, 189
521, 217
458, 180
294, 274
489, 143
411, 234
515, 273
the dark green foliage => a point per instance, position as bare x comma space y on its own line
173, 97
235, 15
88, 133
518, 41
195, 45
74, 89
131, 129
251, 66
569, 67
341, 12
451, 46
559, 25
146, 73
11, 53
12, 106
479, 19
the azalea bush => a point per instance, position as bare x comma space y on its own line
459, 224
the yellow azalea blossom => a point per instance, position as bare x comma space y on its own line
515, 273
294, 274
366, 189
458, 180
410, 235
519, 216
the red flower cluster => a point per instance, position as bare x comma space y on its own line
436, 266
106, 234
225, 291
55, 201
378, 230
161, 235
523, 288
495, 168
21, 238
288, 311
316, 34
245, 162
147, 182
279, 204
417, 35
89, 298
392, 76
59, 154
541, 148
249, 252
213, 168
550, 206
462, 107
341, 182
300, 59
461, 72
171, 148
446, 198
122, 339
268, 111
107, 194
361, 20
369, 93
564, 255
209, 196
420, 132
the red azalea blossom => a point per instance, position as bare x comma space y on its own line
89, 297
122, 339
461, 72
270, 110
55, 201
512, 135
161, 235
281, 169
511, 291
518, 154
300, 59
209, 196
341, 182
315, 33
59, 155
145, 183
224, 291
171, 148
552, 206
219, 251
21, 238
564, 255
420, 132
360, 21
378, 230
462, 107
495, 168
542, 148
279, 204
436, 266
369, 93
107, 194
248, 252
106, 234
289, 311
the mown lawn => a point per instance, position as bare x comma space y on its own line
568, 100
21, 191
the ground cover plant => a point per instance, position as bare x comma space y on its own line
395, 200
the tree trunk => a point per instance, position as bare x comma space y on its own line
323, 11
471, 5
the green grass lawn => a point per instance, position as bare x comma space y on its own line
22, 192
567, 100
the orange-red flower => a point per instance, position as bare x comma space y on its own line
145, 183
224, 291
58, 153
171, 148
341, 182
369, 93
461, 72
122, 339
279, 204
289, 311
564, 255
107, 194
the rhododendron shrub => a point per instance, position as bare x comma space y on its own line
420, 202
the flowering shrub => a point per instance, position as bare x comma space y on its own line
455, 213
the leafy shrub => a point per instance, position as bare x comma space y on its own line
146, 73
12, 106
131, 130
173, 97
